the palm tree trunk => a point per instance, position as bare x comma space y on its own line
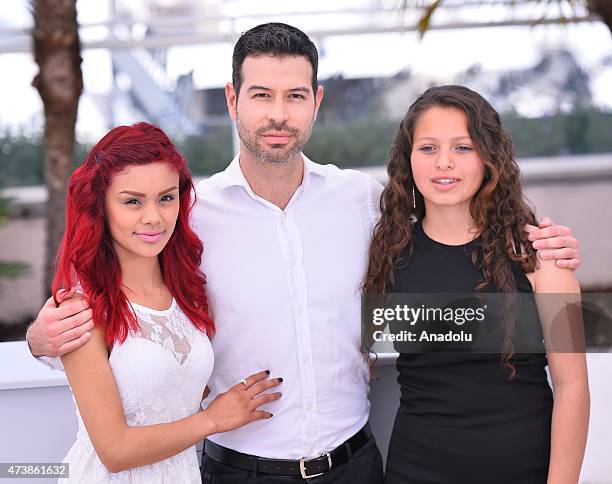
60, 83
603, 8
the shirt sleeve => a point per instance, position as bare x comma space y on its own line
375, 189
53, 363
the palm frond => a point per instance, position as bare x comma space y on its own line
425, 20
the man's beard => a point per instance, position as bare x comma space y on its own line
277, 154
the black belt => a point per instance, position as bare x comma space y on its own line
305, 468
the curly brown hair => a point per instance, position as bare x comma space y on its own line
498, 208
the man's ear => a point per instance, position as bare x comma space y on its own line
232, 100
318, 99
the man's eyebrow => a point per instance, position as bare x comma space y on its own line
138, 194
293, 89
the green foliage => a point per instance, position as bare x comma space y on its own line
10, 270
13, 270
585, 130
209, 153
364, 141
4, 205
22, 159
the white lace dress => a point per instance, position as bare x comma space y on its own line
161, 373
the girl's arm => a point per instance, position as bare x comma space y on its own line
555, 290
121, 447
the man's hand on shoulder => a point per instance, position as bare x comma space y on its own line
60, 330
555, 242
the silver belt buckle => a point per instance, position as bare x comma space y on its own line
303, 467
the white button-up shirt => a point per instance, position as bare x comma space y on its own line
284, 289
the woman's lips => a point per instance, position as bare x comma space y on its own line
445, 183
150, 237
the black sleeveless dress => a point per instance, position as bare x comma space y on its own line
460, 419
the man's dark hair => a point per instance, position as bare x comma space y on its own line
276, 39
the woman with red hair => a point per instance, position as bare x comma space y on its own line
139, 381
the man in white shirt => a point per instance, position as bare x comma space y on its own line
286, 250
286, 244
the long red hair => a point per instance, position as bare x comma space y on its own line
86, 255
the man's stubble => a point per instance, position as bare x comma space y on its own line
277, 154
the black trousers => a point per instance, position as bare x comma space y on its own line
365, 467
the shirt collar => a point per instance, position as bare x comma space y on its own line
233, 176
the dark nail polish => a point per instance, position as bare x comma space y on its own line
280, 380
271, 415
267, 372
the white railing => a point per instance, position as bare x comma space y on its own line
39, 425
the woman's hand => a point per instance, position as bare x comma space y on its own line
238, 406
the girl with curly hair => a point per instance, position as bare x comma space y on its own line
139, 380
453, 221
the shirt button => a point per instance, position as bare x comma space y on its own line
300, 309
